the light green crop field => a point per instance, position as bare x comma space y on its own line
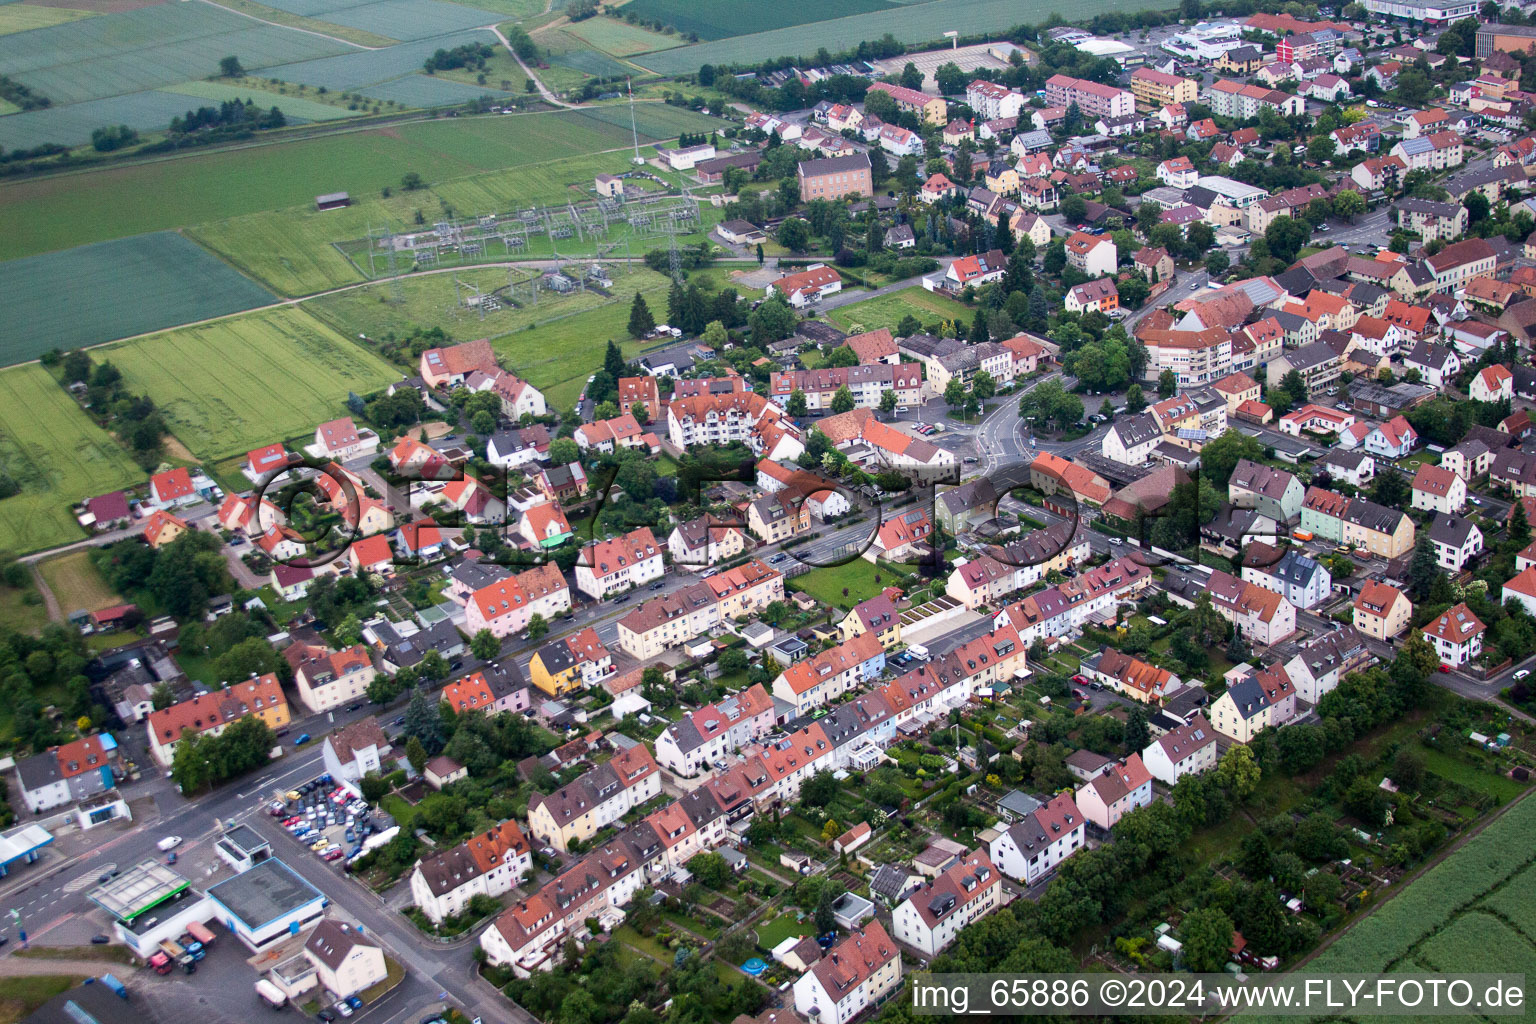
66, 210
620, 38
25, 17
57, 456
888, 310
293, 106
240, 383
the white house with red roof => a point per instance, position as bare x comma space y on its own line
518, 397
1437, 489
1522, 588
975, 270
702, 737
937, 188
420, 538
416, 461
280, 543
902, 537
474, 499
1392, 439
342, 440
1033, 846
619, 563
544, 526
1456, 635
67, 774
328, 679
371, 555
240, 514
172, 489
930, 918
1116, 792
853, 976
1492, 384
1178, 173
1188, 749
454, 364
809, 286
261, 461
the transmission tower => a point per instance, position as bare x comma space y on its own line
394, 276
633, 131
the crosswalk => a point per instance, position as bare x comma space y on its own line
88, 879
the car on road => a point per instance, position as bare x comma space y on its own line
170, 858
1446, 669
303, 739
277, 808
325, 1015
96, 940
1522, 673
399, 720
1080, 680
343, 1009
658, 584
169, 843
621, 599
971, 460
356, 706
355, 1002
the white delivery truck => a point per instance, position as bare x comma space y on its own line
271, 994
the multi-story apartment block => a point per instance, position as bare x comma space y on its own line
489, 864
1155, 89
1092, 98
866, 384
209, 714
834, 177
735, 416
1033, 846
991, 101
609, 566
857, 973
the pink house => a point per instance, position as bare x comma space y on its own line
1116, 792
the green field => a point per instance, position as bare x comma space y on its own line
857, 577
620, 38
45, 214
717, 19
909, 23
292, 106
25, 17
96, 293
57, 456
888, 310
228, 387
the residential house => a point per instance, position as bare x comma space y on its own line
1436, 489
1116, 792
931, 918
1187, 749
1456, 635
1033, 846
1381, 611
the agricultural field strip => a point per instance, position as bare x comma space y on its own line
139, 284
16, 17
913, 23
292, 106
56, 454
719, 19
241, 382
54, 213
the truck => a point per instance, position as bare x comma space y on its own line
270, 994
201, 933
160, 963
186, 961
116, 986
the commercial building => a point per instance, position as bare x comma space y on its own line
267, 904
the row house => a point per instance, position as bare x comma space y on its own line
571, 662
775, 771
1321, 662
597, 799
1264, 699
673, 619
822, 678
1262, 616
1115, 792
488, 864
1460, 262
209, 714
1188, 749
986, 580
1032, 847
702, 737
1301, 580
856, 974
867, 384
506, 606
1240, 101
1061, 609
1131, 676
931, 918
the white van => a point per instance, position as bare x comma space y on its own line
918, 651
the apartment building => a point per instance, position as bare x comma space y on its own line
619, 563
834, 177
930, 918
599, 798
1154, 89
1094, 99
1116, 792
209, 714
857, 973
488, 864
720, 418
866, 384
1032, 847
702, 737
329, 679
672, 619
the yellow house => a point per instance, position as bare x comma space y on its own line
1382, 611
1384, 532
570, 663
877, 615
1005, 181
772, 520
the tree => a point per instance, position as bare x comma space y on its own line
1220, 457
538, 628
641, 322
1137, 734
954, 393
1519, 529
1167, 384
1348, 205
1207, 937
412, 182
1285, 237
161, 697
710, 869
229, 67
1217, 263
416, 754
1391, 489
423, 723
887, 401
759, 253
819, 790
795, 234
1238, 772
826, 918
842, 400
1135, 401
485, 646
983, 386
978, 334
563, 451
1423, 569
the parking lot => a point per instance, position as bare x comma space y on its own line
328, 818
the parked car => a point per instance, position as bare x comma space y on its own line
355, 1002
334, 853
303, 739
1522, 673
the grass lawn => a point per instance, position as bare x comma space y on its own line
76, 583
888, 310
22, 608
110, 953
857, 577
393, 975
20, 996
620, 38
56, 455
234, 385
1444, 765
398, 809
